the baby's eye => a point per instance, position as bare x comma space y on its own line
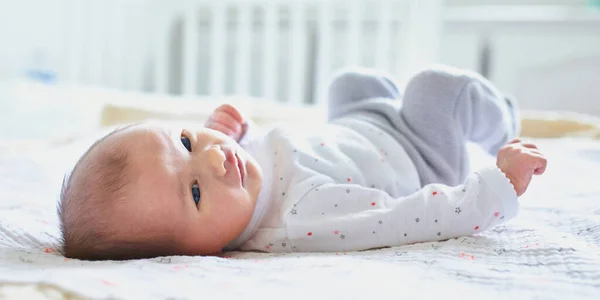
196, 193
186, 143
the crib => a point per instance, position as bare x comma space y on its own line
276, 50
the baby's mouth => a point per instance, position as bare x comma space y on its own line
235, 164
241, 168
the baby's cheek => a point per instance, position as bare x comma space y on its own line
226, 200
231, 210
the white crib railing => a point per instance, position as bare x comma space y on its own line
113, 43
275, 49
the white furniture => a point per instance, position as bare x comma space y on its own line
546, 56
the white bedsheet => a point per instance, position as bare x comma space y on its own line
551, 251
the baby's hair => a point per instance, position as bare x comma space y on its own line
89, 196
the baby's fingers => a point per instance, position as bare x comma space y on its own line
540, 164
530, 146
231, 111
226, 120
221, 128
515, 141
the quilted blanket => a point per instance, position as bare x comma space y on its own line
550, 251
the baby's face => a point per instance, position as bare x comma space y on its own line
194, 184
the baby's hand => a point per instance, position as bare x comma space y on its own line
520, 162
228, 120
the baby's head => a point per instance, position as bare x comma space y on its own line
151, 190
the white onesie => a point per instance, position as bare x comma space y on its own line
353, 187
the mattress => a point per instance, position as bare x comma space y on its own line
550, 251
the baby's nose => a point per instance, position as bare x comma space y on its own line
216, 159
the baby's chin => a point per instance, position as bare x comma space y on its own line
206, 244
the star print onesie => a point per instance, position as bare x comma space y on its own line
387, 169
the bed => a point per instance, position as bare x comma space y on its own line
550, 251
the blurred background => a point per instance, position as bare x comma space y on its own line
544, 52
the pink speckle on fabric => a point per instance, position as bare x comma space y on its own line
467, 256
177, 268
106, 282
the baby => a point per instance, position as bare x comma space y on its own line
389, 168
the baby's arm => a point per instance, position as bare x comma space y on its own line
344, 217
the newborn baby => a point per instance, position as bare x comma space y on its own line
388, 168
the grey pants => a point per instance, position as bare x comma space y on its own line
440, 110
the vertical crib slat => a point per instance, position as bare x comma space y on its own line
354, 43
120, 42
126, 44
409, 40
421, 36
244, 48
190, 49
74, 42
87, 21
96, 42
161, 42
323, 66
296, 87
134, 50
382, 55
147, 43
112, 45
82, 37
270, 50
109, 47
218, 48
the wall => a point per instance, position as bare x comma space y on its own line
30, 33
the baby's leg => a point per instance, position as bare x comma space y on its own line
442, 110
352, 85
